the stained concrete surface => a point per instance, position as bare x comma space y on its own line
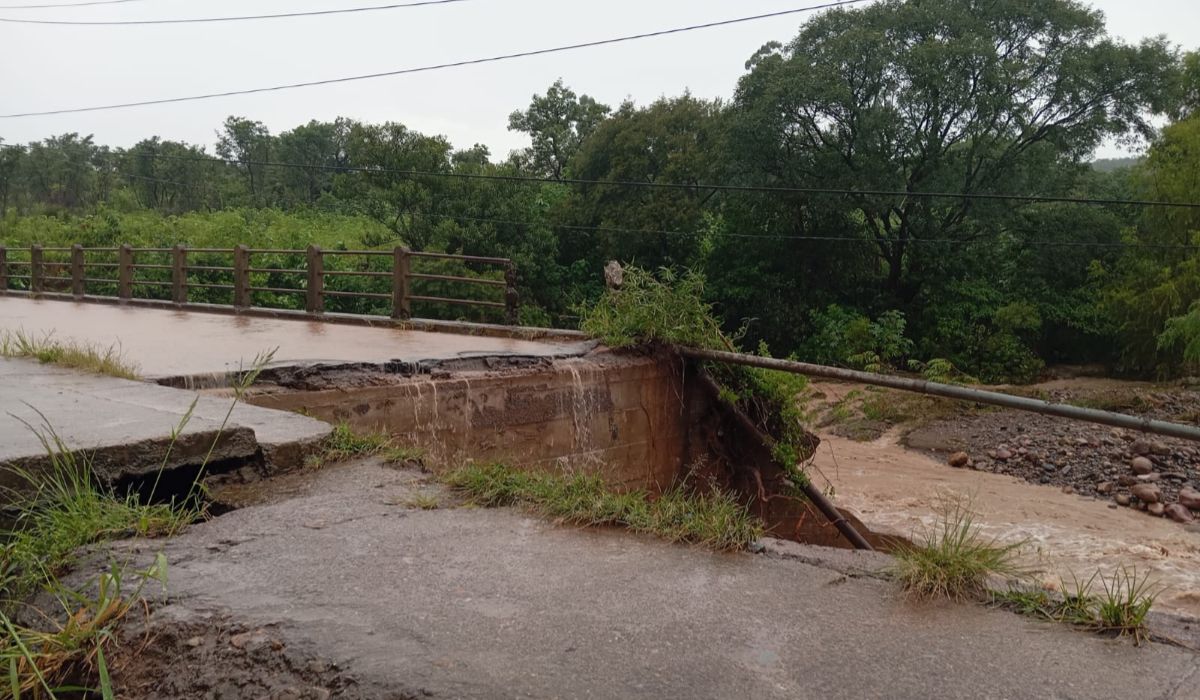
472, 603
126, 425
166, 343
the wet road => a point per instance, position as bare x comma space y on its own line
169, 343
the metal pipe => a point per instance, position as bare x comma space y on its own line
962, 393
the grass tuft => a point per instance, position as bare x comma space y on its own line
1125, 602
424, 501
346, 443
715, 520
1121, 606
952, 560
67, 353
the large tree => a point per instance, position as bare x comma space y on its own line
963, 96
557, 123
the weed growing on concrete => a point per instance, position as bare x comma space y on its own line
424, 501
67, 353
713, 519
403, 455
345, 443
1125, 602
952, 560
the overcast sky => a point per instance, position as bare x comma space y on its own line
49, 67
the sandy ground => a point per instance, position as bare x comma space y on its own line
898, 491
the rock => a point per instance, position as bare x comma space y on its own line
1146, 493
1049, 467
1123, 499
1140, 447
1003, 454
1179, 513
1175, 476
1104, 488
1149, 478
194, 642
1190, 498
1156, 509
1141, 465
614, 275
1068, 489
1159, 448
1127, 480
959, 460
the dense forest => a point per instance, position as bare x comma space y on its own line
967, 97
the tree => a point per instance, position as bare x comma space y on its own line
250, 143
964, 96
321, 145
557, 122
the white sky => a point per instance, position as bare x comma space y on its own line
48, 67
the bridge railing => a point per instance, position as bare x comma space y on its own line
376, 282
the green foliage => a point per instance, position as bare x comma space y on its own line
346, 443
668, 309
843, 337
1125, 603
952, 560
710, 519
67, 353
1120, 606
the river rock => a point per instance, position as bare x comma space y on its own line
1127, 480
1179, 513
1140, 447
1003, 454
1149, 478
959, 460
1190, 497
1122, 499
1156, 509
1146, 493
1160, 448
1104, 488
1141, 465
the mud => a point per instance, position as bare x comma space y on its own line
178, 653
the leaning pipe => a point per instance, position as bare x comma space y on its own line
1021, 403
813, 494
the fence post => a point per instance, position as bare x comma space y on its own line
125, 272
401, 269
37, 271
241, 276
3, 268
314, 293
179, 291
77, 264
511, 296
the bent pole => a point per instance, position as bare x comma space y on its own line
950, 391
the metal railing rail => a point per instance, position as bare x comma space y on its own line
77, 274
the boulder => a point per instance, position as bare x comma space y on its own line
1104, 488
1179, 513
1141, 465
1190, 498
1140, 447
959, 460
1156, 509
1146, 493
1123, 499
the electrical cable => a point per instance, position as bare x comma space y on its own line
241, 18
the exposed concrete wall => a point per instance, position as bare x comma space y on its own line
625, 415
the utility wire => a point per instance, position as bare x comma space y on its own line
242, 18
65, 4
439, 66
684, 186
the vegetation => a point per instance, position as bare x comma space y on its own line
346, 443
953, 560
712, 519
997, 97
1120, 606
67, 353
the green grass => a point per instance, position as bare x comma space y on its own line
47, 349
715, 520
403, 455
424, 501
346, 443
1118, 606
952, 560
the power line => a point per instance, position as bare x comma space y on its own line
440, 66
65, 4
241, 18
682, 186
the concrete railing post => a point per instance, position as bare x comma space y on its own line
241, 276
179, 290
401, 280
125, 272
3, 268
511, 297
314, 293
37, 270
77, 269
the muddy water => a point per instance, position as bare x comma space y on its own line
897, 491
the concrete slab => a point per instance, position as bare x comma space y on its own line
166, 343
473, 603
126, 425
